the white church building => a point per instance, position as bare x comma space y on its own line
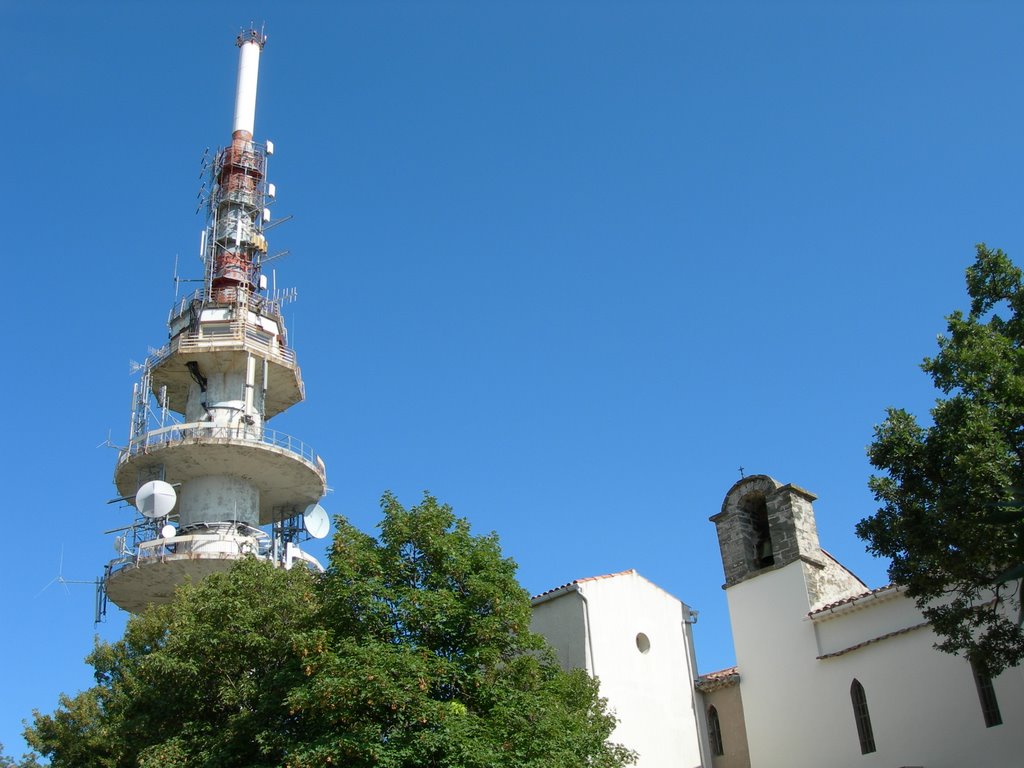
828, 672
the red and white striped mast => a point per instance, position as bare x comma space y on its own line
208, 482
235, 244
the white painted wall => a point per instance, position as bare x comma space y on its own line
772, 654
868, 619
924, 706
598, 621
561, 622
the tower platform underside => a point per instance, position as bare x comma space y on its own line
287, 474
284, 379
150, 575
219, 338
134, 583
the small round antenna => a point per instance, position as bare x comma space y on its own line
155, 499
316, 521
168, 532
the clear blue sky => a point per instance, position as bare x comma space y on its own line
568, 265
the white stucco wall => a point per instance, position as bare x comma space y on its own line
562, 623
651, 692
923, 704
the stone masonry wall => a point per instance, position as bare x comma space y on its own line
791, 517
736, 534
829, 582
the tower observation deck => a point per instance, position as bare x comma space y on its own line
206, 474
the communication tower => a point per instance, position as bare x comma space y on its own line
203, 470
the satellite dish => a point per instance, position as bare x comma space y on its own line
155, 499
316, 521
168, 532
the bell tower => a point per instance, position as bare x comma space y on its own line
765, 526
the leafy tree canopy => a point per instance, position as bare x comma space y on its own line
413, 649
27, 761
951, 516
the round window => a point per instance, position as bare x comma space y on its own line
643, 643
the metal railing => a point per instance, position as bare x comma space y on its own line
202, 430
199, 545
236, 332
211, 546
257, 302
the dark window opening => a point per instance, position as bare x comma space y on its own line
764, 553
715, 732
862, 717
987, 697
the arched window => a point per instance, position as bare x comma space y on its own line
755, 507
863, 718
987, 697
714, 732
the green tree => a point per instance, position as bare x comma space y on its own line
197, 681
413, 649
949, 516
27, 761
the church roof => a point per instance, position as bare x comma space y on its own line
712, 681
574, 582
856, 601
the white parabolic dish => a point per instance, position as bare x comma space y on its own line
155, 499
316, 521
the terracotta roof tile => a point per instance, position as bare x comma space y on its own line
723, 678
580, 581
894, 588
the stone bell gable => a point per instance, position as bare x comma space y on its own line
765, 525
